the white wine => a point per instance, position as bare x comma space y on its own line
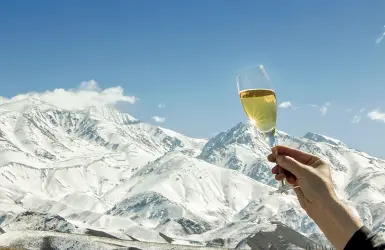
260, 106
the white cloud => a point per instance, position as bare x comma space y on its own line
356, 119
87, 94
161, 106
362, 110
313, 105
159, 119
349, 110
376, 115
285, 105
379, 40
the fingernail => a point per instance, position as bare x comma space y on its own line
274, 151
275, 170
271, 156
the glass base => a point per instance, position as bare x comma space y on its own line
284, 189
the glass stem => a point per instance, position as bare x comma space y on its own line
272, 142
270, 139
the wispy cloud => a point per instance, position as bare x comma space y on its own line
161, 106
356, 119
349, 110
362, 110
376, 115
264, 72
324, 108
159, 119
87, 94
379, 40
285, 105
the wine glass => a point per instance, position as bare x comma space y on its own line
260, 105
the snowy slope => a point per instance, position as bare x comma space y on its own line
358, 177
100, 169
36, 240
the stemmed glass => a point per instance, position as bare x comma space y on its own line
260, 105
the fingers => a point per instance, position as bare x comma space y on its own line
279, 177
290, 178
271, 158
278, 170
299, 156
291, 165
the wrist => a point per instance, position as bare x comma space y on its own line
336, 221
323, 207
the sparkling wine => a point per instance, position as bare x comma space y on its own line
260, 106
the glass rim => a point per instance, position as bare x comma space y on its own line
253, 70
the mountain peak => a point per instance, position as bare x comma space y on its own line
323, 138
24, 104
111, 114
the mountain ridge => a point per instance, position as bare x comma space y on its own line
102, 169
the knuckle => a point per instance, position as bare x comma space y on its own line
318, 162
280, 159
285, 160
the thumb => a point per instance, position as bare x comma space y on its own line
291, 165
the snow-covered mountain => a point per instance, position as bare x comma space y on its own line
75, 171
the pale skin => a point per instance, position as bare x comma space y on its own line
316, 193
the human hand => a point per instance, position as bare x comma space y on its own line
316, 193
307, 171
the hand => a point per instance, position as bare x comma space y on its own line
316, 193
307, 171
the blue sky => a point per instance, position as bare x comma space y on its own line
185, 55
